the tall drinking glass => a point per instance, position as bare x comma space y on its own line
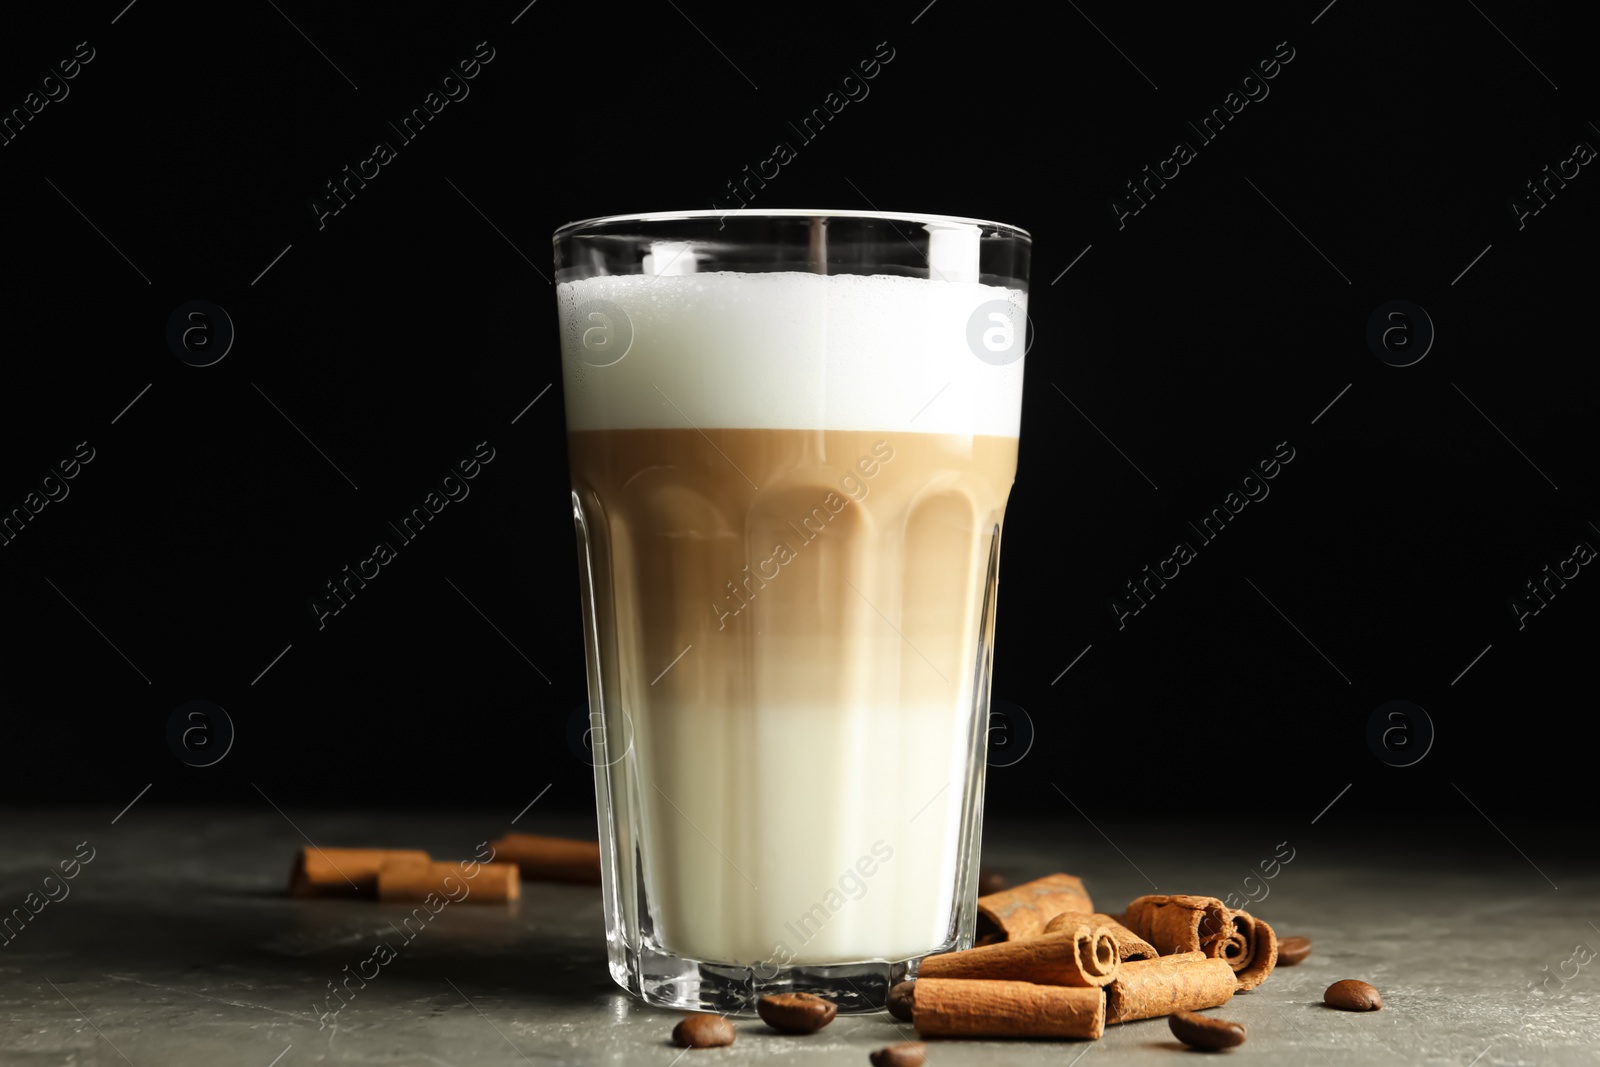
792, 436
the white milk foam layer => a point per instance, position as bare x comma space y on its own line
784, 350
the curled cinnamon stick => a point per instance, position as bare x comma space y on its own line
1257, 951
493, 883
344, 872
1023, 911
550, 859
1180, 923
1186, 981
1189, 923
958, 1007
1130, 946
1080, 955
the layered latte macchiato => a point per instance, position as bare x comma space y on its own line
790, 490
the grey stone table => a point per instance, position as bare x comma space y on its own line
174, 946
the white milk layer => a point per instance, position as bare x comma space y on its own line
787, 350
818, 835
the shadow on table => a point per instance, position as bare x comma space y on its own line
551, 949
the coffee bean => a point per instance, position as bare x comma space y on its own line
796, 1013
1293, 950
900, 999
991, 882
1204, 1031
702, 1031
1352, 995
905, 1054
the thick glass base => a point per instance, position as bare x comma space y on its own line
671, 981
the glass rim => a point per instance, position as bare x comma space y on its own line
569, 229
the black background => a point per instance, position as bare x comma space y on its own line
416, 322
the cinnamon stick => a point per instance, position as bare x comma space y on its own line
959, 1007
1258, 953
1080, 955
494, 883
1130, 946
1023, 911
344, 872
1178, 923
1186, 981
550, 859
